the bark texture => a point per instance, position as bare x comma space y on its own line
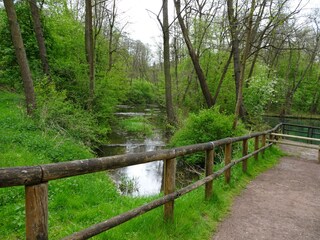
35, 13
21, 56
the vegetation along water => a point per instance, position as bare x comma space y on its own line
74, 84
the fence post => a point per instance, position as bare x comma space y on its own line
309, 134
244, 153
37, 211
227, 160
256, 147
263, 142
169, 186
209, 171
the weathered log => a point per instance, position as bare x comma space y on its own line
244, 153
263, 142
209, 171
169, 186
296, 144
227, 160
295, 137
20, 176
256, 147
37, 211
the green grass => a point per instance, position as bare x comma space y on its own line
78, 202
137, 125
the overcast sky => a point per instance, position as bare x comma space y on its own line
143, 25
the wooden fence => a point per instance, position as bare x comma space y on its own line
312, 137
36, 179
304, 131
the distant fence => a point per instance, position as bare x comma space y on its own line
36, 179
305, 136
303, 131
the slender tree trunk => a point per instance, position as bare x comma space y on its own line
35, 13
235, 42
225, 69
89, 50
112, 19
194, 57
21, 56
166, 62
176, 63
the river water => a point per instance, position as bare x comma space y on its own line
142, 179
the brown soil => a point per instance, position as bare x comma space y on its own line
282, 203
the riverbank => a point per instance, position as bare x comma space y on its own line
78, 202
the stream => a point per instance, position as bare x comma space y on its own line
142, 179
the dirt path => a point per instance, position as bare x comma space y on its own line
282, 203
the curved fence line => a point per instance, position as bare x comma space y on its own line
36, 178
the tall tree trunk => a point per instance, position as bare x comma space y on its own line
194, 57
89, 50
21, 56
112, 19
35, 13
176, 63
166, 63
235, 42
223, 75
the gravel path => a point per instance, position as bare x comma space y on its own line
282, 203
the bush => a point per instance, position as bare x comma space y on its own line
208, 125
55, 112
141, 92
260, 92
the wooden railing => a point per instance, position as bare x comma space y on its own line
36, 179
302, 130
311, 136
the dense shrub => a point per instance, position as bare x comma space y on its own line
56, 112
23, 143
261, 91
141, 92
208, 125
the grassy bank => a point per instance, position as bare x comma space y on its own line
78, 202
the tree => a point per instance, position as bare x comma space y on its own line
235, 42
39, 36
194, 56
89, 51
166, 62
21, 56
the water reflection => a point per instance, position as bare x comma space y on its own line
143, 179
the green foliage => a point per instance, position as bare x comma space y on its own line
208, 125
56, 112
141, 92
137, 125
67, 56
9, 70
23, 143
260, 92
110, 91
